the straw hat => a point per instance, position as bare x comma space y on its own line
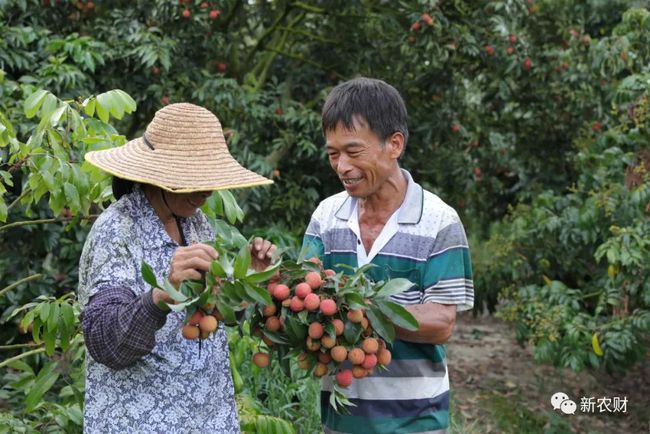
182, 150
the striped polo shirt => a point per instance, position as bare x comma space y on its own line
423, 241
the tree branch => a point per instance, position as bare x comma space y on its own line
296, 57
308, 34
308, 8
231, 14
259, 45
23, 194
14, 346
21, 356
20, 282
43, 221
266, 64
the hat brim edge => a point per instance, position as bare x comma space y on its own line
264, 181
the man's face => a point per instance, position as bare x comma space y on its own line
361, 162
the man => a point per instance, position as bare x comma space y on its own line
383, 217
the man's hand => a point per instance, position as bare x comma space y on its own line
262, 254
188, 263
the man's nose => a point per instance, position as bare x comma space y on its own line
343, 165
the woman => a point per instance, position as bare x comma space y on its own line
142, 375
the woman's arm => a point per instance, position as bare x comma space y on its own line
120, 327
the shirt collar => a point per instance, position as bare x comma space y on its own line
410, 211
152, 230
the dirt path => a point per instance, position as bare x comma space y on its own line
498, 387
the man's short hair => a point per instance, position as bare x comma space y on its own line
370, 100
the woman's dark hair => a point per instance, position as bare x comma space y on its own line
373, 101
121, 187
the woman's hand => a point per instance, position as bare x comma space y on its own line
189, 263
161, 299
262, 254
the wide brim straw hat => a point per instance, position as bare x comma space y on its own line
183, 150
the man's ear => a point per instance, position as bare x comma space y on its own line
395, 144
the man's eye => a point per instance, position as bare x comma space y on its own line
332, 155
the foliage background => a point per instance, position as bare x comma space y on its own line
528, 117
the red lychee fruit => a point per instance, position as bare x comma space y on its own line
314, 280
344, 378
316, 330
328, 307
303, 289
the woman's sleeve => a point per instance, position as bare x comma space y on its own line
119, 322
120, 327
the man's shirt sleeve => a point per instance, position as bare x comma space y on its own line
312, 242
448, 273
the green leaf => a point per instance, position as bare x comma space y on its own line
21, 365
49, 105
148, 275
49, 337
272, 425
393, 287
44, 382
64, 334
48, 179
89, 106
329, 330
242, 262
398, 314
285, 365
115, 105
238, 382
355, 300
276, 337
173, 292
203, 298
56, 115
72, 196
257, 294
128, 104
67, 312
102, 107
75, 415
380, 324
192, 287
261, 276
226, 265
351, 332
295, 330
53, 317
28, 318
179, 307
227, 312
217, 270
45, 311
232, 210
33, 103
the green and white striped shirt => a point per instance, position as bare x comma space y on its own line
424, 241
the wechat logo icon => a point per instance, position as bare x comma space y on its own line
560, 401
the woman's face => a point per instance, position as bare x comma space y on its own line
186, 204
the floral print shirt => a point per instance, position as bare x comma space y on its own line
142, 376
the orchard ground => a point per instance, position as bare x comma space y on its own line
498, 387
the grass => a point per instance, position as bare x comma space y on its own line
507, 415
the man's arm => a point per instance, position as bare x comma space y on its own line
436, 323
